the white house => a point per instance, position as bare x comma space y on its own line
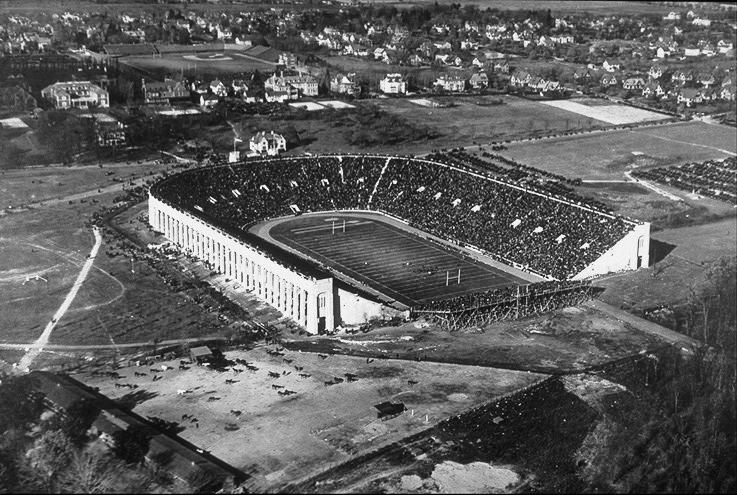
393, 84
268, 143
451, 82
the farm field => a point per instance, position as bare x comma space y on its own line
293, 436
607, 155
394, 262
468, 123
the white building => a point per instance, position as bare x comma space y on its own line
268, 143
304, 83
76, 94
393, 84
451, 82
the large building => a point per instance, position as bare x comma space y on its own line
268, 143
305, 84
166, 92
76, 94
208, 213
344, 84
393, 84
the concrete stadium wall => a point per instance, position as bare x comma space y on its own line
315, 304
623, 255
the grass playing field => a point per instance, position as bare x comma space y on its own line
394, 262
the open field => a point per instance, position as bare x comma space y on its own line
608, 155
290, 437
396, 263
222, 62
562, 341
613, 113
466, 122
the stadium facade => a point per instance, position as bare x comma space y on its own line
201, 222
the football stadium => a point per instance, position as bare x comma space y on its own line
340, 239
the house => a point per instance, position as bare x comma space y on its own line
393, 84
550, 87
690, 96
672, 16
582, 75
355, 49
727, 93
479, 80
305, 84
451, 82
76, 94
379, 53
608, 80
691, 52
16, 99
165, 92
653, 89
281, 95
239, 87
520, 78
701, 22
655, 72
609, 67
536, 83
415, 60
662, 52
208, 100
268, 143
633, 83
682, 77
442, 45
345, 84
706, 79
501, 66
448, 59
724, 46
218, 88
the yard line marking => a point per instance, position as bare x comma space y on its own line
36, 348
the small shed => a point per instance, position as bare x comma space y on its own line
200, 354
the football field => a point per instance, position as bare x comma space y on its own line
395, 262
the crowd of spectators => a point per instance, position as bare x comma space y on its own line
516, 225
502, 295
714, 178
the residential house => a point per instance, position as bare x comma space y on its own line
653, 89
76, 94
208, 100
520, 79
218, 88
379, 53
608, 80
451, 82
633, 83
701, 22
690, 96
109, 131
727, 93
706, 79
305, 84
672, 16
355, 49
345, 84
415, 60
682, 77
239, 87
724, 46
393, 84
469, 45
448, 59
662, 52
281, 95
501, 66
268, 143
609, 67
166, 92
479, 80
582, 75
691, 52
16, 99
655, 72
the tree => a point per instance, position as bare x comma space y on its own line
52, 452
89, 473
131, 444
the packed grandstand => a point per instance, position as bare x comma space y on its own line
713, 178
512, 221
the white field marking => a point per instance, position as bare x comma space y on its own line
36, 348
730, 153
653, 187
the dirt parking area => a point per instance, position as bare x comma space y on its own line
278, 438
